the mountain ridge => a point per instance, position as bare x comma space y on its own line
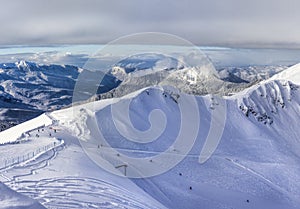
256, 163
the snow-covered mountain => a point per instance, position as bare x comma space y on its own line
27, 89
249, 74
255, 165
144, 70
142, 63
257, 156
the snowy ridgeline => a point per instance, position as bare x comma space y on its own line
27, 89
199, 80
19, 131
255, 165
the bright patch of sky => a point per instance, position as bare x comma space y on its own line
78, 55
72, 49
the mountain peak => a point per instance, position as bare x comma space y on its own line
22, 64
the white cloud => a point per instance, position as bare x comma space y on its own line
228, 22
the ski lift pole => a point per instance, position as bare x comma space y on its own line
125, 168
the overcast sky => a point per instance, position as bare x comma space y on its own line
261, 23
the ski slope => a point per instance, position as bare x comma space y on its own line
255, 165
62, 176
16, 132
11, 199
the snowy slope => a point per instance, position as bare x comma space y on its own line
14, 133
27, 89
62, 176
10, 199
255, 165
291, 74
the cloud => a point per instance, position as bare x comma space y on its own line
225, 23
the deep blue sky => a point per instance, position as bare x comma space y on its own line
255, 23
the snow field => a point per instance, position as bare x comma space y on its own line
256, 164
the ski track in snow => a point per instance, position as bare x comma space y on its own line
263, 178
70, 191
66, 192
77, 192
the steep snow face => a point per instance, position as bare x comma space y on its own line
11, 199
256, 164
274, 104
291, 74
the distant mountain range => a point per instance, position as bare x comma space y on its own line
27, 89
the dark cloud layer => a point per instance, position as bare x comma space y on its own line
214, 22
